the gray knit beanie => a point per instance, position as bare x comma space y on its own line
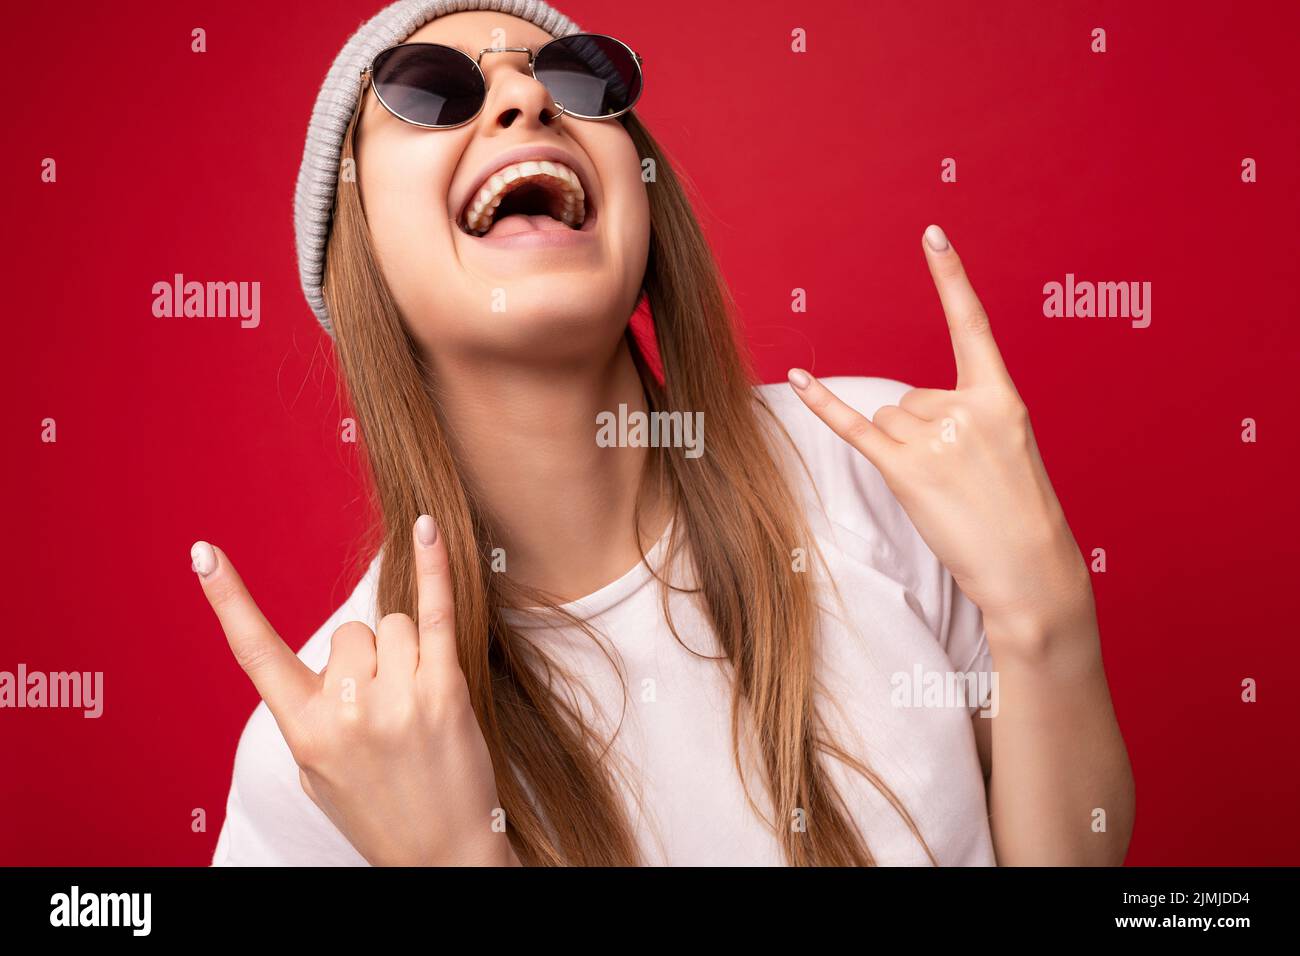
313, 198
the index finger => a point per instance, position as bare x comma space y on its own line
434, 603
279, 675
978, 358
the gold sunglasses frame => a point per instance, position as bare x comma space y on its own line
367, 76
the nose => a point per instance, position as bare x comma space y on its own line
513, 94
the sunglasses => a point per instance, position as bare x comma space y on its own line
589, 76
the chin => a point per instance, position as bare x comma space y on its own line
545, 328
541, 318
560, 298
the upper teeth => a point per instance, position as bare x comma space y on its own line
478, 216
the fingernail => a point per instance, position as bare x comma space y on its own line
935, 239
799, 378
426, 532
203, 560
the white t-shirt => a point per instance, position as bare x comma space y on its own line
906, 619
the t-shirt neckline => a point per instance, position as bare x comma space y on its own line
602, 599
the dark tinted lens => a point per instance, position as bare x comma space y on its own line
589, 75
429, 84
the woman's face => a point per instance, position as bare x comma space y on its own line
532, 288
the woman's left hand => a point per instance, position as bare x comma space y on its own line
965, 467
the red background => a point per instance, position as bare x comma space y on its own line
816, 171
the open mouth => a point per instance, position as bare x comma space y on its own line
531, 195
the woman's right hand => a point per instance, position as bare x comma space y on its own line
385, 738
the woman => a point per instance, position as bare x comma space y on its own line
773, 648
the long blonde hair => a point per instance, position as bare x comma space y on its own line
734, 515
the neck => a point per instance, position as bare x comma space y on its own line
562, 507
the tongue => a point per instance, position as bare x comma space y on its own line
518, 222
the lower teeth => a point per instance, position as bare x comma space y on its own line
485, 230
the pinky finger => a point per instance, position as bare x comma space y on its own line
845, 421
